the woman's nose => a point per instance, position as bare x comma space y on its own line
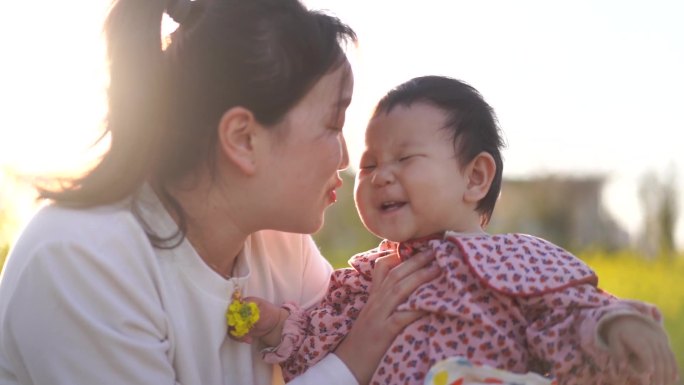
344, 162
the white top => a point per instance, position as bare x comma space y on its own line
86, 299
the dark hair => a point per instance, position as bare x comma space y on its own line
165, 105
470, 119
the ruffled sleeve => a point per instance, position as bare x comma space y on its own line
562, 332
293, 333
308, 336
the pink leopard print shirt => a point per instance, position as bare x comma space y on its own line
512, 301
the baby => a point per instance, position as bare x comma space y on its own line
428, 180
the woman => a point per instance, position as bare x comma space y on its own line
225, 147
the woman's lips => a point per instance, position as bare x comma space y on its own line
332, 194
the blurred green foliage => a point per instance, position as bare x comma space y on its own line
343, 233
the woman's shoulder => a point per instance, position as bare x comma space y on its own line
59, 232
54, 222
64, 244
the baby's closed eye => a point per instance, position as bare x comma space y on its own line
409, 157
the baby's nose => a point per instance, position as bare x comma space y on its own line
382, 176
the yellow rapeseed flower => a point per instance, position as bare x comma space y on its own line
241, 316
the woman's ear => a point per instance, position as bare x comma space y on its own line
237, 131
479, 174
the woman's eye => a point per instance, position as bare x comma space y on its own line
366, 167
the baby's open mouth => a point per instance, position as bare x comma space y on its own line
391, 205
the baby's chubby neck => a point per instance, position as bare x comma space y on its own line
408, 248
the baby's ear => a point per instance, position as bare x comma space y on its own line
237, 137
479, 174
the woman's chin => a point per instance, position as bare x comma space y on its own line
310, 227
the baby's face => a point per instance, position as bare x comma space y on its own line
410, 183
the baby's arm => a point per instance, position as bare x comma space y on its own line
564, 331
298, 338
269, 328
312, 334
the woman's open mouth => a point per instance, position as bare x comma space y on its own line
332, 195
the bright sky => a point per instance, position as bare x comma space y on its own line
580, 86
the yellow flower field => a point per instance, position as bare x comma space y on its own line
658, 281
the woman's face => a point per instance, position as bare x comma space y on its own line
308, 150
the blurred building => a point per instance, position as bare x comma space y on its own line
565, 210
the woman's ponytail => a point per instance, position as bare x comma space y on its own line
136, 110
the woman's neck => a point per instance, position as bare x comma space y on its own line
210, 227
218, 249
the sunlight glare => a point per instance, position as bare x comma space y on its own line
54, 86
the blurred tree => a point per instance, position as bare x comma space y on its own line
659, 203
343, 234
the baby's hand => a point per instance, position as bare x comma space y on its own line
641, 349
269, 327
